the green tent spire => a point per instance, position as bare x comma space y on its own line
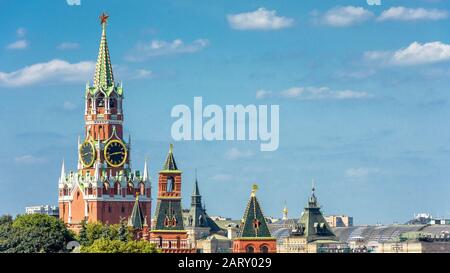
169, 164
104, 77
136, 219
254, 224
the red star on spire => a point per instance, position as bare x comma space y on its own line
103, 18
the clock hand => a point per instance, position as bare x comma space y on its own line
116, 153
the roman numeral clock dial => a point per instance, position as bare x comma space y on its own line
115, 153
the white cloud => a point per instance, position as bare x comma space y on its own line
29, 159
346, 16
143, 74
412, 14
360, 172
235, 153
21, 32
19, 44
221, 177
54, 71
262, 94
69, 106
261, 19
160, 48
415, 54
68, 45
73, 2
318, 93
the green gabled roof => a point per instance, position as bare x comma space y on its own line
254, 223
108, 90
104, 77
136, 219
170, 164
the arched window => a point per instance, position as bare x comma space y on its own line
100, 101
130, 188
264, 249
89, 104
249, 249
116, 188
170, 184
160, 241
141, 188
105, 188
89, 192
112, 103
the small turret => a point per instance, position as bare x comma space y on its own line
145, 177
285, 212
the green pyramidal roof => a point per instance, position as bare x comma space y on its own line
136, 219
170, 164
312, 224
104, 77
254, 224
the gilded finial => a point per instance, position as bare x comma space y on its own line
254, 189
137, 196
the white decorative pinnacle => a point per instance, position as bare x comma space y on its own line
145, 176
80, 166
63, 173
97, 171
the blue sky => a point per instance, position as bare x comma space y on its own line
363, 93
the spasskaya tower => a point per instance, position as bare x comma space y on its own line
104, 186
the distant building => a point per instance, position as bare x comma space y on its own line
220, 218
43, 209
427, 219
396, 238
417, 242
311, 234
200, 227
339, 221
440, 222
215, 243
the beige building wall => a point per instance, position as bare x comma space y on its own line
339, 220
414, 247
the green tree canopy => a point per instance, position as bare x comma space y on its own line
33, 233
104, 245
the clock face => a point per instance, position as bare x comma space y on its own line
115, 153
87, 154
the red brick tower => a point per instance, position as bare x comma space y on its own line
104, 186
168, 232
